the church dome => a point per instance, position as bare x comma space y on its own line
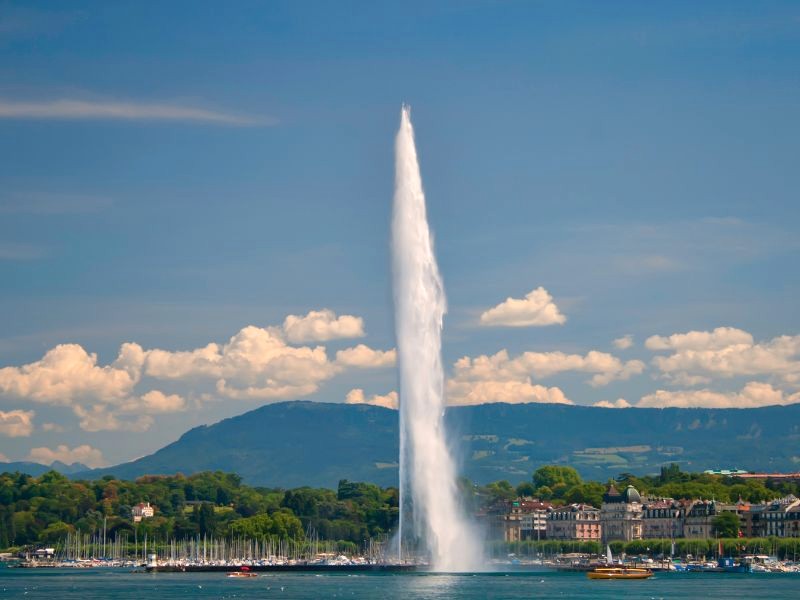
631, 494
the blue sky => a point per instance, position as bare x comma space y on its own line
171, 173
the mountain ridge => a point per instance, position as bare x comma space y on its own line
36, 469
297, 443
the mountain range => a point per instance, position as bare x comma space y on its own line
298, 443
36, 469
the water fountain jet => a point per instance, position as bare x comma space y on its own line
427, 469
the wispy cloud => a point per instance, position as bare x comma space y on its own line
53, 204
68, 109
14, 251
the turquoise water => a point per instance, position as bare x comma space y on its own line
55, 584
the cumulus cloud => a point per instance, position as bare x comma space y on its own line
502, 378
501, 367
52, 427
255, 363
16, 423
357, 396
462, 392
753, 395
624, 342
101, 417
322, 326
91, 457
68, 372
536, 309
697, 356
70, 109
618, 403
258, 363
69, 376
497, 378
155, 402
364, 357
721, 337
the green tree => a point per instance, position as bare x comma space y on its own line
525, 489
205, 518
553, 475
500, 490
726, 525
590, 492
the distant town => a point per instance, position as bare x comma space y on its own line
212, 519
626, 515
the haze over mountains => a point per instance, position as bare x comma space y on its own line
299, 443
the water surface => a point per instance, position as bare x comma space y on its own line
91, 584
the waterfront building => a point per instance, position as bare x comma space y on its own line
621, 514
781, 517
520, 519
699, 519
662, 518
143, 510
579, 522
533, 519
750, 518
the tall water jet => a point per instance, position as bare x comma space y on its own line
427, 469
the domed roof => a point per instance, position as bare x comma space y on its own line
631, 494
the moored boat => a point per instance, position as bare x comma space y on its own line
619, 573
244, 572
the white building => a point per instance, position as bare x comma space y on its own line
143, 510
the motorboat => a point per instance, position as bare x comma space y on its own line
619, 573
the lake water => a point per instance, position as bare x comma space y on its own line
57, 584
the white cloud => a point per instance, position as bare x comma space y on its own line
537, 309
201, 362
52, 427
4, 458
68, 372
16, 423
69, 109
322, 326
624, 342
357, 396
500, 366
364, 357
753, 395
721, 337
618, 403
497, 378
500, 378
69, 376
462, 392
255, 363
697, 356
155, 401
100, 417
91, 457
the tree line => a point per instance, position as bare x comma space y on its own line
44, 509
